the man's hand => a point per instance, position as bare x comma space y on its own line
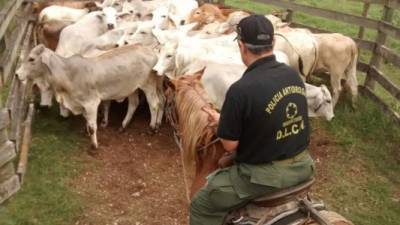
228, 159
213, 115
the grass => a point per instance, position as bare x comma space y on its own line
364, 177
46, 197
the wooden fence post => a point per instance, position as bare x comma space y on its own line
380, 41
289, 16
9, 181
364, 14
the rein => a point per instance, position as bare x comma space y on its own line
297, 52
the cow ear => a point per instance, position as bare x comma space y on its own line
100, 17
123, 15
38, 49
187, 27
159, 34
98, 4
325, 90
149, 16
48, 58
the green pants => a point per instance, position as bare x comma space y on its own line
234, 187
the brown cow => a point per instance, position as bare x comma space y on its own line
48, 33
206, 14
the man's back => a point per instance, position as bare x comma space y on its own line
269, 111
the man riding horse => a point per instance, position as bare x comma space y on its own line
263, 127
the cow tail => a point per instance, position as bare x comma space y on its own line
351, 73
351, 70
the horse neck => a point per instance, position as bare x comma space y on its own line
206, 163
196, 131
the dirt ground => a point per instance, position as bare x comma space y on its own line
136, 178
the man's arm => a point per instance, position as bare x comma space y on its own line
229, 145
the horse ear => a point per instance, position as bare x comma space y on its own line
198, 75
173, 83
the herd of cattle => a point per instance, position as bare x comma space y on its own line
91, 53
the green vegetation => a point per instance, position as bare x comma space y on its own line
46, 197
364, 176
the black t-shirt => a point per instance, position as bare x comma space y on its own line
266, 111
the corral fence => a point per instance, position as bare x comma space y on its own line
16, 111
16, 107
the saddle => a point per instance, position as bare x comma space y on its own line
284, 196
282, 207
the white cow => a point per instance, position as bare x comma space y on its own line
338, 54
217, 78
116, 4
301, 48
143, 35
188, 55
213, 30
105, 42
82, 83
73, 37
179, 10
90, 26
161, 18
143, 9
56, 12
319, 101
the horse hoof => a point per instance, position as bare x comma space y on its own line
121, 129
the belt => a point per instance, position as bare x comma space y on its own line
292, 159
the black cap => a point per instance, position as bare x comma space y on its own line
255, 30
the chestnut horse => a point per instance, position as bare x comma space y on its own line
196, 132
197, 135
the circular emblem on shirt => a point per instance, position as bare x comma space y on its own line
291, 110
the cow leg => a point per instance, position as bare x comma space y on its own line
336, 86
106, 112
160, 112
154, 104
90, 115
352, 83
133, 102
64, 112
46, 97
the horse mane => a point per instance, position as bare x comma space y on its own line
194, 126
